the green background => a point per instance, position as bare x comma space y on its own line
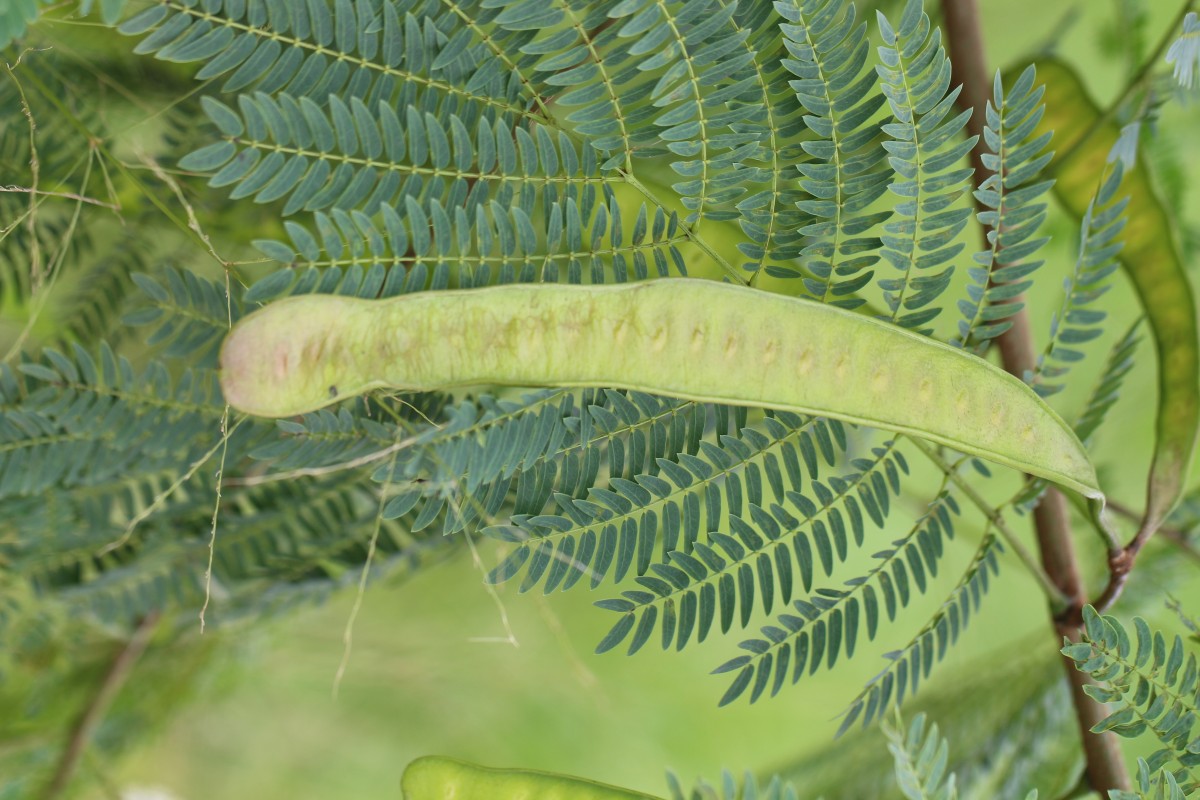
441, 665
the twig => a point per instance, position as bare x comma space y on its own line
1058, 600
63, 195
35, 248
212, 532
193, 221
54, 99
1105, 766
162, 496
85, 726
313, 472
1120, 564
363, 578
1173, 535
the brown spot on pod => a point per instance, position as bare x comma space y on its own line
282, 360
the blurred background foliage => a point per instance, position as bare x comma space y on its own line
441, 664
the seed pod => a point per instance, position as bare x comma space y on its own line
438, 778
691, 339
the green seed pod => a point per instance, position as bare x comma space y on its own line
690, 339
1156, 269
438, 778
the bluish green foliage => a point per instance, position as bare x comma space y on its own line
1151, 785
749, 788
137, 435
1152, 684
921, 755
1076, 324
1103, 397
763, 548
1184, 52
1108, 388
189, 314
925, 151
15, 17
1015, 157
910, 665
845, 176
399, 146
833, 618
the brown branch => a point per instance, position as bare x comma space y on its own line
62, 195
85, 726
1104, 766
1120, 563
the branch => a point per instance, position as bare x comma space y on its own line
1120, 564
1059, 601
1105, 767
63, 195
1175, 536
85, 726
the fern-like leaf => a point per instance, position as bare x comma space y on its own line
920, 755
1152, 684
666, 505
1106, 392
190, 314
1076, 324
831, 619
1151, 785
723, 575
915, 76
1015, 157
749, 788
829, 57
913, 663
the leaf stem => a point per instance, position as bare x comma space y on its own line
1120, 562
734, 274
1059, 601
110, 685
